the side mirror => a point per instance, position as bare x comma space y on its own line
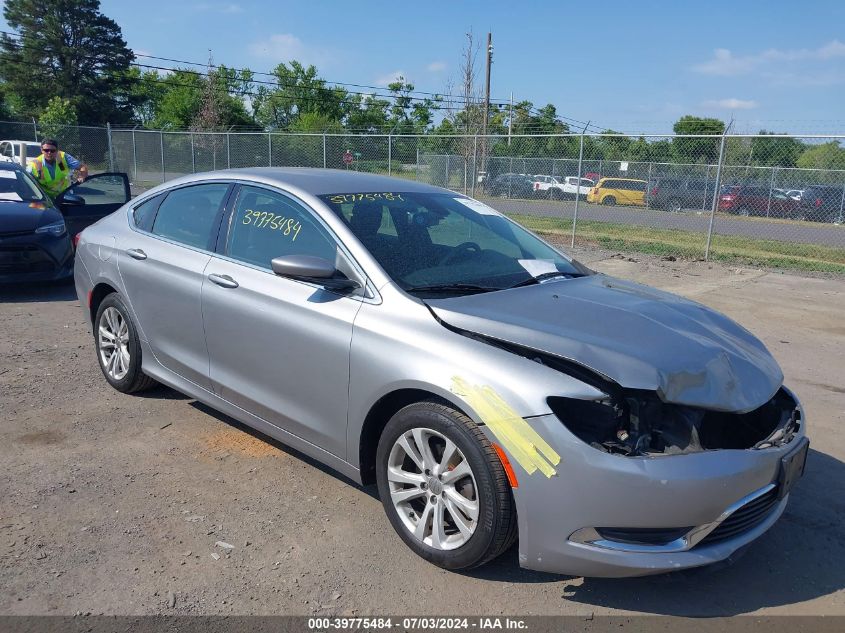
70, 200
314, 269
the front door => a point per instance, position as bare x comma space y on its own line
279, 348
84, 203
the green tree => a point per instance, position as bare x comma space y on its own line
298, 90
697, 150
825, 156
66, 48
775, 152
58, 120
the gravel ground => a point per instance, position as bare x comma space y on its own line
155, 504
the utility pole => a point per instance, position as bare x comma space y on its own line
486, 104
510, 122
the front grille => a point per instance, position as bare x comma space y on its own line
24, 259
744, 519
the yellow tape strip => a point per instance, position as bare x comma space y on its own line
524, 444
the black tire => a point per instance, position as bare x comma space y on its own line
675, 205
134, 379
609, 201
744, 212
495, 528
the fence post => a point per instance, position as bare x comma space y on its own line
771, 186
269, 149
134, 156
474, 165
715, 198
448, 161
193, 156
841, 203
577, 189
648, 184
111, 149
389, 154
161, 141
417, 176
228, 152
325, 164
34, 131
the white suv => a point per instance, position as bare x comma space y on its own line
560, 187
10, 151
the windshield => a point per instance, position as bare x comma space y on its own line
17, 186
432, 242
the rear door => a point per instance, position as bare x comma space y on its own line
84, 203
162, 263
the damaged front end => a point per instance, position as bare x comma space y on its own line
637, 423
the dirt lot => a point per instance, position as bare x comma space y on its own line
115, 504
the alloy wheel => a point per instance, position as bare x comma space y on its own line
433, 489
113, 343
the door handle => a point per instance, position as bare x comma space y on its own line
136, 253
224, 281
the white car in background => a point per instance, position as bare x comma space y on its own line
795, 194
10, 151
558, 187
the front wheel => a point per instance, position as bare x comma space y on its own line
609, 201
443, 487
118, 347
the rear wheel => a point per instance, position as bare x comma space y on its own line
443, 487
609, 201
118, 347
744, 211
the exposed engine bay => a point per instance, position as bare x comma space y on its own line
639, 423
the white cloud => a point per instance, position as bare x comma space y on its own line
436, 67
284, 47
389, 78
219, 7
730, 104
725, 63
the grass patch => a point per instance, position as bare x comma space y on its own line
691, 244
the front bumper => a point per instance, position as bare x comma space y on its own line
592, 489
35, 258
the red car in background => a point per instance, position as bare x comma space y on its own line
761, 201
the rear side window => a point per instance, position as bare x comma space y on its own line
188, 215
637, 186
144, 213
266, 225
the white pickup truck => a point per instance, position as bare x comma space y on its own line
10, 151
559, 187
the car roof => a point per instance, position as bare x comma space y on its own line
10, 166
11, 140
625, 179
312, 180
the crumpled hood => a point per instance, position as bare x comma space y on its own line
637, 336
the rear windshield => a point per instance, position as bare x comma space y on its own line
424, 240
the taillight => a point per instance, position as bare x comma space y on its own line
654, 191
595, 190
818, 202
536, 186
75, 239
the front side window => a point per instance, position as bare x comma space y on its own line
266, 225
188, 215
429, 241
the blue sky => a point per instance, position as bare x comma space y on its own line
632, 66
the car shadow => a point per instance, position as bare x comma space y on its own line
368, 490
38, 292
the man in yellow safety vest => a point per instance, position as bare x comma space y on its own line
52, 169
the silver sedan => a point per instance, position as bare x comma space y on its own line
489, 384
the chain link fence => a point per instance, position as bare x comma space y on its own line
767, 200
